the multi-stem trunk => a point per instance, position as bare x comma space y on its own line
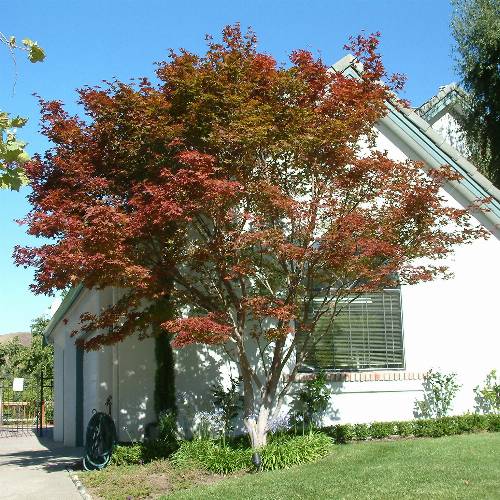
258, 409
257, 427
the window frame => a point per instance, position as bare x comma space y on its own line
305, 368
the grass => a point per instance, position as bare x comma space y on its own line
455, 467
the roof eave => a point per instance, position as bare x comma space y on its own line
422, 143
68, 301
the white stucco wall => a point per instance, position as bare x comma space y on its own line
125, 372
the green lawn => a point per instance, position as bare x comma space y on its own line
466, 466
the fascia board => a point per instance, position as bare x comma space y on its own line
66, 304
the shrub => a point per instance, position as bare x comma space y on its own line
404, 428
488, 396
138, 453
380, 430
229, 402
362, 431
342, 433
431, 427
127, 454
168, 437
471, 423
212, 456
494, 423
157, 449
440, 390
286, 451
311, 401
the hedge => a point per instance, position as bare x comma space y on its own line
299, 448
444, 426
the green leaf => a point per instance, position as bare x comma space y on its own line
18, 122
35, 52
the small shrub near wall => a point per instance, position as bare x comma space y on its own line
361, 432
432, 427
404, 428
488, 395
128, 454
440, 390
212, 456
381, 430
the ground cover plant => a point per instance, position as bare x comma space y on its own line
282, 451
456, 467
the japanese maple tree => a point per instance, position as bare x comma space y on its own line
235, 192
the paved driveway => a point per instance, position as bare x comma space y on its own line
35, 469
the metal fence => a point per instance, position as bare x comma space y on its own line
26, 405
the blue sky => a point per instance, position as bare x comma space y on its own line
89, 41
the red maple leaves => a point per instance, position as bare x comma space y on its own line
236, 187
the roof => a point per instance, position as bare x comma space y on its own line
67, 302
449, 99
417, 139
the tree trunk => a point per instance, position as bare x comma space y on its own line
257, 427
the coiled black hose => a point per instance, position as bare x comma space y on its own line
100, 441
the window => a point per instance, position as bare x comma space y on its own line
367, 333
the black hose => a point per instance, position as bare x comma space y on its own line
100, 441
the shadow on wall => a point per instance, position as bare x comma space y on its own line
197, 368
136, 374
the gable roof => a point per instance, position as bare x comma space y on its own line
449, 99
415, 137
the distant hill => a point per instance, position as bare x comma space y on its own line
24, 337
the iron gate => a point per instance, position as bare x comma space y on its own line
26, 405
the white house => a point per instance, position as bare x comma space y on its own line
450, 325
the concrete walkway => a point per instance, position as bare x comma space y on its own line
35, 469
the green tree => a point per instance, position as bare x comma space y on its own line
12, 151
476, 28
25, 361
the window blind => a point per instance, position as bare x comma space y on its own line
367, 333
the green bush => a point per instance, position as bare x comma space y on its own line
471, 423
157, 449
404, 428
362, 432
494, 423
138, 453
286, 451
440, 390
311, 401
380, 430
212, 456
431, 427
342, 433
488, 396
282, 452
127, 454
426, 428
